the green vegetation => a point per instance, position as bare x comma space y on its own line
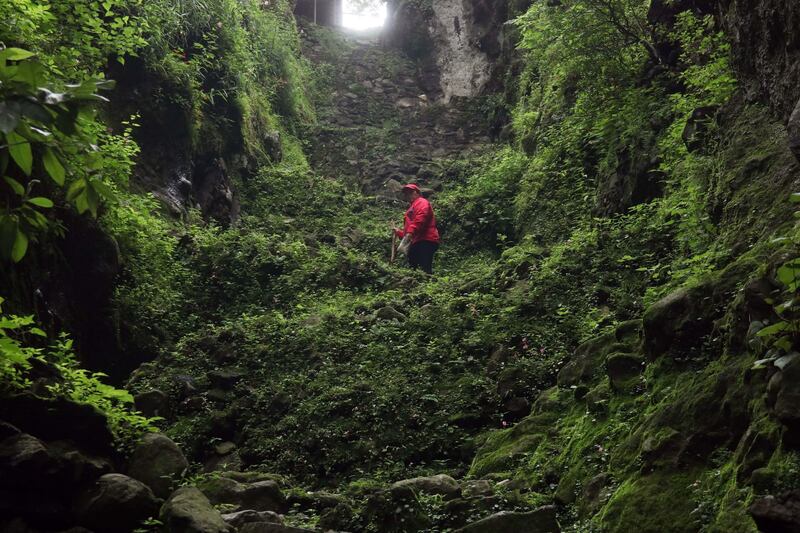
587, 339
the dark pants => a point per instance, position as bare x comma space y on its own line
420, 255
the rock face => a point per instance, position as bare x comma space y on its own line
157, 462
189, 511
458, 41
766, 49
115, 503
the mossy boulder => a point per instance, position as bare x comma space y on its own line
624, 371
678, 323
655, 503
158, 463
189, 511
587, 361
441, 484
258, 496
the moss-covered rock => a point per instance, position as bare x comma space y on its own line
655, 503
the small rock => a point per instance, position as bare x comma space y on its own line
407, 103
478, 487
439, 484
226, 378
249, 516
390, 313
189, 511
115, 503
224, 448
542, 520
157, 462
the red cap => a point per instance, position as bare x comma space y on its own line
412, 187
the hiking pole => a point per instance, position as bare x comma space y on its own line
394, 248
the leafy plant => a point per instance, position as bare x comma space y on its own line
42, 137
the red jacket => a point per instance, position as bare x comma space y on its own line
420, 221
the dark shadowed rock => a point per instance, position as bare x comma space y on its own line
157, 462
624, 370
542, 520
26, 462
794, 131
152, 403
779, 514
115, 503
189, 511
59, 419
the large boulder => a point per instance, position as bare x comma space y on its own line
157, 462
189, 511
258, 496
542, 520
439, 484
115, 503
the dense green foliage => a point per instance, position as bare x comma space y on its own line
632, 173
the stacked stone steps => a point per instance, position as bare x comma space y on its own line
380, 129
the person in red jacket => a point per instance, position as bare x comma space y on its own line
419, 233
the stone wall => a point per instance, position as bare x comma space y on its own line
325, 13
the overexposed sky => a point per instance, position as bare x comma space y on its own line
365, 20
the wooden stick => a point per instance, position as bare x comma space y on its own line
394, 247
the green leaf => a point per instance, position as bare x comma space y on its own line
103, 189
795, 197
53, 166
20, 247
20, 151
15, 185
774, 329
15, 54
38, 332
76, 188
40, 201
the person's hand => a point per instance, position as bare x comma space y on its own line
405, 244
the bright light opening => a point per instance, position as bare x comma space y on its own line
363, 18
